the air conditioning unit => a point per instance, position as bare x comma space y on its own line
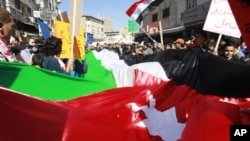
32, 19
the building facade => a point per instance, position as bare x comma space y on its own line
48, 10
94, 26
23, 12
195, 16
177, 18
120, 36
108, 24
112, 36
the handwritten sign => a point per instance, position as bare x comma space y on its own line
241, 10
61, 30
220, 19
79, 49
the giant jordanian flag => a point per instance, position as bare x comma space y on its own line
199, 98
204, 96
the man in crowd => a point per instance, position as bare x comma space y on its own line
179, 43
27, 53
7, 28
228, 53
200, 38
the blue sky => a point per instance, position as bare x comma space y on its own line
114, 9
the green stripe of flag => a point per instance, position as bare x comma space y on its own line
50, 85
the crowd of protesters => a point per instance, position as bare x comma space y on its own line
231, 49
17, 46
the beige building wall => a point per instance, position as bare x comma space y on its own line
95, 26
108, 23
102, 29
120, 36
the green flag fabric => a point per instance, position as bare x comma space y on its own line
133, 26
50, 85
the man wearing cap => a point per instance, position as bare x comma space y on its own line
179, 43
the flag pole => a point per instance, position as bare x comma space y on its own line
147, 34
218, 42
75, 17
60, 15
160, 26
133, 37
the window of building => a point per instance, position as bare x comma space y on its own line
16, 3
23, 7
30, 11
165, 12
50, 6
154, 17
191, 3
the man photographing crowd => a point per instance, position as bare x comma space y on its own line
7, 28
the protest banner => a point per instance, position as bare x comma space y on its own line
61, 30
221, 20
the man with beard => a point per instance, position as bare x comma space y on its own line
7, 28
